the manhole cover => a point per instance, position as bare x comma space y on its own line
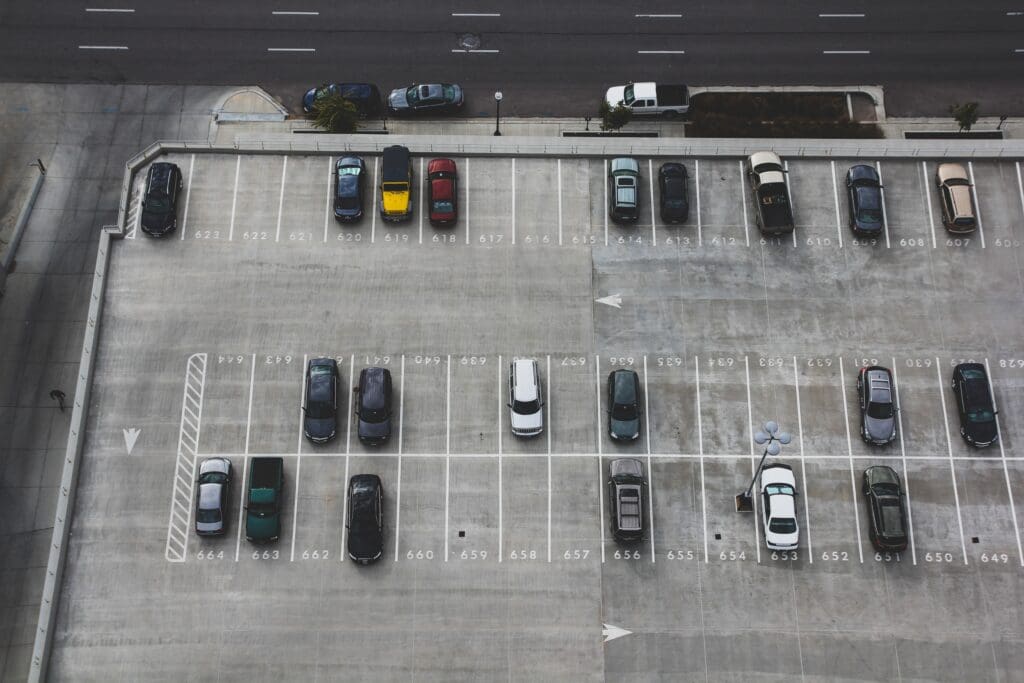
469, 41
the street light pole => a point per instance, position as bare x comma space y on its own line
771, 437
497, 112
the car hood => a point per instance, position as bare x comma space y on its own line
262, 527
880, 429
320, 429
156, 220
626, 430
526, 423
308, 99
784, 540
375, 430
398, 100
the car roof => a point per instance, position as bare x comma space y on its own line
629, 466
222, 465
344, 162
364, 483
525, 388
371, 388
783, 505
437, 165
863, 172
768, 157
882, 474
624, 386
777, 473
441, 188
951, 171
210, 496
672, 169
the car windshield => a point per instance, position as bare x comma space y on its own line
880, 411
624, 411
526, 407
443, 206
208, 516
214, 478
782, 525
627, 95
157, 204
981, 416
782, 489
413, 95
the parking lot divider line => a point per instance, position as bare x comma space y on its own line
792, 207
398, 476
949, 449
849, 450
700, 451
600, 468
465, 184
330, 195
298, 450
188, 194
1002, 455
650, 186
234, 197
350, 411
835, 197
1020, 187
185, 459
513, 200
885, 215
977, 206
373, 216
401, 404
696, 180
746, 224
605, 212
280, 199
344, 513
422, 199
928, 202
241, 506
550, 429
750, 425
803, 464
903, 457
501, 409
248, 415
559, 164
447, 448
650, 470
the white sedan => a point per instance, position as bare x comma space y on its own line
778, 492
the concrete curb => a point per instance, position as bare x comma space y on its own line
20, 225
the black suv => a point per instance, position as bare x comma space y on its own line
373, 405
974, 403
864, 196
321, 409
626, 499
673, 193
887, 515
365, 518
877, 405
623, 405
160, 199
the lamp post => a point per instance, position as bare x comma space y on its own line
772, 437
497, 112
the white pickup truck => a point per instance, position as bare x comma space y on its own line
650, 99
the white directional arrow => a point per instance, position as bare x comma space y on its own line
612, 632
131, 435
611, 300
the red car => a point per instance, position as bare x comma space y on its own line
442, 192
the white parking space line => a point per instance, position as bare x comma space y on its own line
513, 200
604, 210
550, 427
176, 548
348, 420
650, 470
600, 463
849, 449
501, 411
743, 203
700, 450
344, 513
234, 197
650, 186
559, 202
1020, 187
465, 206
373, 216
803, 464
903, 457
398, 485
792, 208
696, 180
188, 192
977, 206
447, 448
422, 200
298, 447
241, 506
1002, 454
280, 198
330, 196
928, 202
949, 448
885, 215
753, 454
248, 418
835, 197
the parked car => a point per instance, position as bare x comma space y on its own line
160, 199
264, 500
213, 488
365, 97
673, 193
524, 398
321, 409
623, 405
864, 196
365, 518
396, 184
770, 193
974, 403
349, 187
877, 405
778, 492
955, 198
434, 98
887, 515
442, 192
624, 190
626, 494
373, 405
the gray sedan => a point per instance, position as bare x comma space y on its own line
213, 489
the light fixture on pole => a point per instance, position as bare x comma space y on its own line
497, 112
772, 437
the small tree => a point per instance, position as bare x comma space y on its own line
966, 115
335, 114
613, 118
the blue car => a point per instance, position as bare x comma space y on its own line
365, 96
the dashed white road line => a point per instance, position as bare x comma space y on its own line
398, 485
447, 448
696, 180
110, 10
298, 449
803, 464
477, 51
234, 197
600, 462
661, 52
743, 203
753, 453
476, 14
188, 193
102, 47
885, 215
835, 197
658, 16
949, 448
848, 15
295, 13
291, 49
846, 52
928, 202
330, 195
280, 199
849, 449
903, 458
1002, 454
977, 206
559, 164
700, 450
650, 470
650, 186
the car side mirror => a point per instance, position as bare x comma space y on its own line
508, 405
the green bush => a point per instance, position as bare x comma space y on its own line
774, 115
613, 118
335, 114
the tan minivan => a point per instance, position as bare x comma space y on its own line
955, 198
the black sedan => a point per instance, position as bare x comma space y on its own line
365, 518
349, 186
321, 409
623, 405
887, 515
674, 195
435, 98
864, 196
974, 403
365, 97
212, 492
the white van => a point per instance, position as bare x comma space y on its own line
525, 398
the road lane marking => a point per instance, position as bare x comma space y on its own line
750, 438
600, 468
696, 179
188, 193
949, 448
1002, 454
513, 200
658, 16
661, 52
550, 426
295, 13
977, 206
650, 470
1020, 187
234, 197
928, 201
846, 52
398, 486
241, 506
465, 212
422, 196
298, 447
849, 449
102, 47
743, 203
885, 214
605, 204
903, 457
330, 195
344, 514
792, 209
373, 218
291, 49
650, 186
476, 14
447, 448
849, 15
501, 411
478, 51
803, 464
700, 450
559, 164
280, 199
835, 197
110, 10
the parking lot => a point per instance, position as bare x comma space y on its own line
498, 560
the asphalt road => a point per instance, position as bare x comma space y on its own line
548, 58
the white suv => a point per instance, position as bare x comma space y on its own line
778, 492
524, 398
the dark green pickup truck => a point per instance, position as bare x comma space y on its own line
263, 500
